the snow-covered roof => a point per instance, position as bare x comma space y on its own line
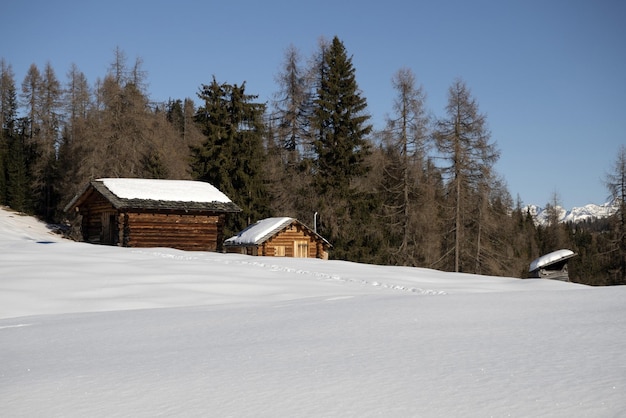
258, 232
164, 190
127, 193
551, 258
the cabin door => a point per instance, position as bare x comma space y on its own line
301, 249
109, 228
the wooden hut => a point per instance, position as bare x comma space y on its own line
279, 237
188, 215
551, 266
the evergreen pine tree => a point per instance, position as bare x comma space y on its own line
340, 120
175, 115
340, 124
232, 154
18, 193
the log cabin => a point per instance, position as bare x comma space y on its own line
187, 215
279, 237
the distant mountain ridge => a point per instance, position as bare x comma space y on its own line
577, 214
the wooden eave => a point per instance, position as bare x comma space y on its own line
80, 198
312, 232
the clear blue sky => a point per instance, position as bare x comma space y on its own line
549, 75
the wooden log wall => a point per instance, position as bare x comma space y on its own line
182, 231
287, 239
92, 217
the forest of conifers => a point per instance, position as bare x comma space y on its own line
420, 192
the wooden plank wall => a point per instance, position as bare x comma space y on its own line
91, 212
181, 231
287, 239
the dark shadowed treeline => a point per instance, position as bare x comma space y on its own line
422, 191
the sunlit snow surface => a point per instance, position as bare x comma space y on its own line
99, 331
165, 190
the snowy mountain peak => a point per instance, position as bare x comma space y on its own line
577, 214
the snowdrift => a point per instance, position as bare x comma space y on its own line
99, 331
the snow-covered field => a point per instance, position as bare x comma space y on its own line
94, 331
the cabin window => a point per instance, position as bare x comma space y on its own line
279, 251
301, 249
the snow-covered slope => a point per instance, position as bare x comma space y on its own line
578, 214
99, 331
